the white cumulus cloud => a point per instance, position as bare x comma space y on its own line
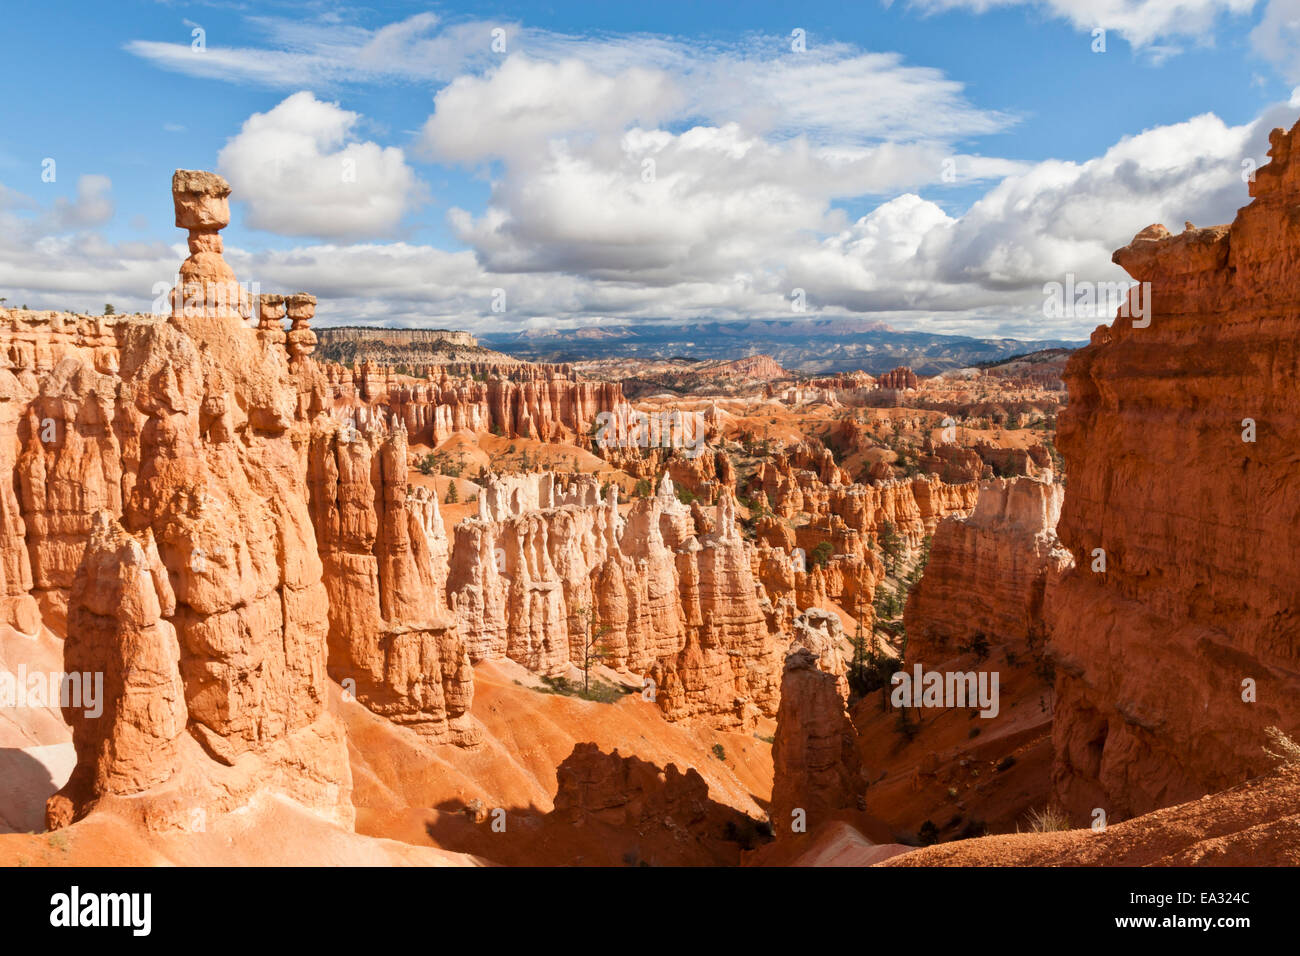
301, 171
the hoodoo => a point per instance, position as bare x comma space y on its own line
199, 594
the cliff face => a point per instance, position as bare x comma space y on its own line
1193, 508
57, 394
405, 347
514, 401
987, 574
392, 638
364, 335
546, 560
751, 367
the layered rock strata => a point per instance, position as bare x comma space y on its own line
912, 506
1176, 631
515, 402
393, 640
987, 574
548, 562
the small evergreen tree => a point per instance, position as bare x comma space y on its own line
593, 645
453, 495
821, 555
858, 667
890, 543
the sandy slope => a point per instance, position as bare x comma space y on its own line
271, 831
409, 790
405, 788
1255, 824
960, 782
836, 844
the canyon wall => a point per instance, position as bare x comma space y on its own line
1176, 632
987, 573
521, 401
366, 335
393, 641
57, 392
223, 526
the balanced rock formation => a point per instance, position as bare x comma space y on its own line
1177, 633
211, 502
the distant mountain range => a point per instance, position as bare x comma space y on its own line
809, 347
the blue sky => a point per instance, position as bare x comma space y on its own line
930, 164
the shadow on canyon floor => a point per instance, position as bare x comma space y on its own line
611, 810
25, 785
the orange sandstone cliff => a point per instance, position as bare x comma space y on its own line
1176, 632
987, 574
